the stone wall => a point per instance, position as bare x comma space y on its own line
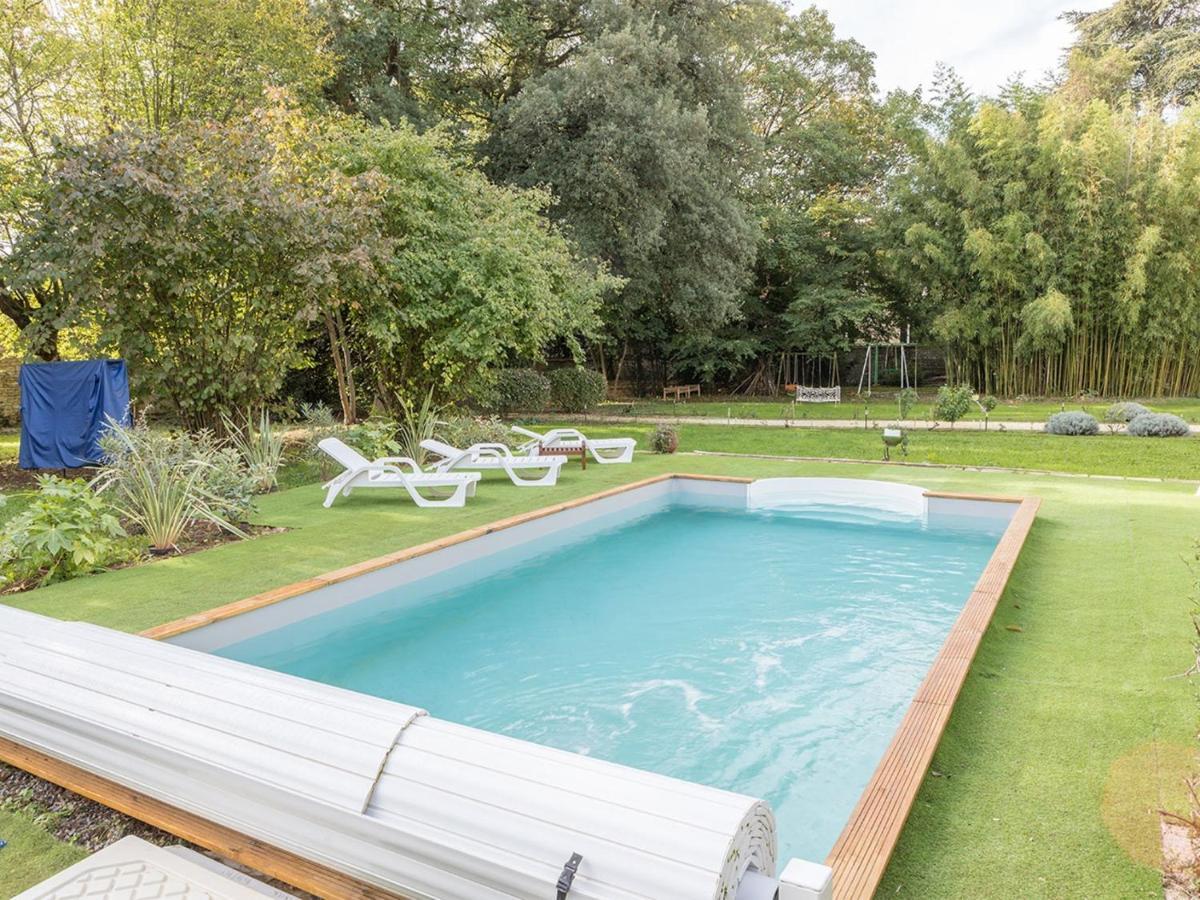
10, 394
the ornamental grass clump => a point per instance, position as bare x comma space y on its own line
1158, 425
1074, 424
1124, 412
261, 450
165, 484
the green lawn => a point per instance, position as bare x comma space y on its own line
1063, 725
1105, 454
880, 407
32, 854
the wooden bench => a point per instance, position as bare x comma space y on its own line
680, 391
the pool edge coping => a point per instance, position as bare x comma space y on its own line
860, 855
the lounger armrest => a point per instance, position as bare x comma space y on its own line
525, 431
500, 450
395, 461
564, 434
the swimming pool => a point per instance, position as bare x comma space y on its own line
770, 651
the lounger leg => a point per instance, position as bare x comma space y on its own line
458, 498
334, 488
549, 479
623, 455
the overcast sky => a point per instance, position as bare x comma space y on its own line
986, 41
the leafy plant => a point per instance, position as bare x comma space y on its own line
164, 484
1158, 425
374, 438
261, 449
317, 416
1125, 412
1073, 423
577, 390
520, 390
953, 402
986, 404
417, 424
905, 401
463, 431
665, 439
67, 530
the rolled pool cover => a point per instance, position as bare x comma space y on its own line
376, 790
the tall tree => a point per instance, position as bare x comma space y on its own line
639, 173
1152, 47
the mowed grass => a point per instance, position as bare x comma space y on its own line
1017, 807
881, 407
1105, 454
32, 854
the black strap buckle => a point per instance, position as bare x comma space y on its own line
567, 878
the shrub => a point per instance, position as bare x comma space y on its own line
165, 483
67, 530
953, 402
520, 390
905, 401
373, 438
1073, 423
665, 439
577, 390
1121, 413
1158, 425
463, 431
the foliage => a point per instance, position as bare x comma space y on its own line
629, 140
1043, 235
67, 530
317, 416
261, 449
1072, 423
473, 275
463, 431
417, 424
520, 390
905, 401
664, 439
953, 402
1150, 424
165, 484
577, 390
191, 256
374, 438
1148, 48
1124, 412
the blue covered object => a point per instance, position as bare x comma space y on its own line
65, 407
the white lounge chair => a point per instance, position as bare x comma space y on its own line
603, 450
489, 457
393, 472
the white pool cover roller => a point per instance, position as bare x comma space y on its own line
377, 790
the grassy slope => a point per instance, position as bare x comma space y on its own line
1103, 597
882, 407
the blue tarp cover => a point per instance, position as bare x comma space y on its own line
65, 407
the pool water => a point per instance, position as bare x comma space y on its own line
770, 653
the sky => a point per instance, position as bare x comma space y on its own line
985, 41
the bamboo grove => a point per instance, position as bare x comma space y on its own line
1054, 247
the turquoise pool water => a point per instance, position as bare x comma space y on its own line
770, 653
